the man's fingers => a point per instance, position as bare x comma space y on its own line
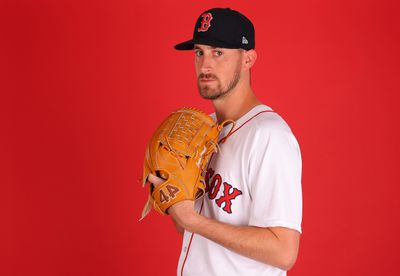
155, 180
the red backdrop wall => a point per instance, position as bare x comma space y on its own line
85, 83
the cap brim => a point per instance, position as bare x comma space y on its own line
189, 45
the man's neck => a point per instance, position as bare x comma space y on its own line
235, 104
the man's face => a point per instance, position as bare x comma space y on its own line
217, 69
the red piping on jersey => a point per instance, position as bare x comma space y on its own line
187, 253
191, 237
202, 203
226, 137
190, 243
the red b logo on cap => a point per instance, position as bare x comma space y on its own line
205, 22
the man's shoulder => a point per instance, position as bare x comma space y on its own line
268, 121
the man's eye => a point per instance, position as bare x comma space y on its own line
218, 53
198, 53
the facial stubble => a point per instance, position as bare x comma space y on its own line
206, 92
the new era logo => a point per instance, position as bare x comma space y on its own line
244, 40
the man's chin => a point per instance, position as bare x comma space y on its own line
209, 95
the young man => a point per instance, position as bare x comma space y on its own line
249, 222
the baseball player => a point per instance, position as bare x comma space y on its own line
249, 221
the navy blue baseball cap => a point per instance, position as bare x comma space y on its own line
223, 28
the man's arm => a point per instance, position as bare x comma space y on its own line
276, 246
178, 227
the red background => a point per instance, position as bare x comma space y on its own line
85, 83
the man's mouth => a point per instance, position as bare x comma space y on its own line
206, 80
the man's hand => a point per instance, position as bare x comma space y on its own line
182, 212
155, 180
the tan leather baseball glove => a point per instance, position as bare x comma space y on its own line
178, 152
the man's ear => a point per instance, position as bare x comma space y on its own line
249, 57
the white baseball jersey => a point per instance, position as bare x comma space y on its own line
254, 180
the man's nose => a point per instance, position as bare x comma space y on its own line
206, 64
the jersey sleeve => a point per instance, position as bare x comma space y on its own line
275, 180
